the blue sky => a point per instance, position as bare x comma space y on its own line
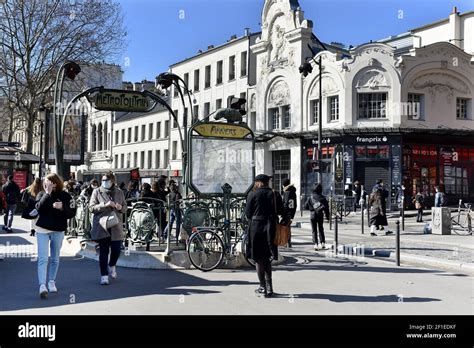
158, 36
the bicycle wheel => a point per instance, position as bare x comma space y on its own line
205, 250
244, 251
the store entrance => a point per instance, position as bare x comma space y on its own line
281, 168
368, 173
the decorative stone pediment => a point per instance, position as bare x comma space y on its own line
436, 84
329, 87
372, 79
279, 94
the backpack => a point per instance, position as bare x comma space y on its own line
317, 206
443, 201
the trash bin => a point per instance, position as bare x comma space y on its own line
441, 220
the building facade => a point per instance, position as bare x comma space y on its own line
398, 109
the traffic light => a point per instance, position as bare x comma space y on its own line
71, 70
306, 69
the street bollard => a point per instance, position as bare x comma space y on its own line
398, 243
336, 236
403, 213
362, 215
368, 214
459, 210
330, 213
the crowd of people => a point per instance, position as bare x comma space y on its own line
50, 203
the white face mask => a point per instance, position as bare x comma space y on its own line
106, 184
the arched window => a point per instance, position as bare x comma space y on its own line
94, 138
106, 142
101, 137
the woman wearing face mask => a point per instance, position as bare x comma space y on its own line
55, 207
105, 202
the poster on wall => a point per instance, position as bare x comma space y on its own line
74, 139
20, 177
396, 165
348, 163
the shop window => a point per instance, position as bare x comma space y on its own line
372, 105
361, 151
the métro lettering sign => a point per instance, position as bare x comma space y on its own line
118, 100
220, 130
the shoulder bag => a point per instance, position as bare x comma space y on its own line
112, 218
282, 235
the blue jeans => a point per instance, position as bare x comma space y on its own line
52, 240
9, 213
174, 215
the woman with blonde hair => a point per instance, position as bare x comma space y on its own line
55, 207
29, 198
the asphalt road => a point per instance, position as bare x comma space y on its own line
307, 283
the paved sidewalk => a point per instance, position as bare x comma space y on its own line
449, 249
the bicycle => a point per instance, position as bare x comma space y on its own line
461, 222
208, 246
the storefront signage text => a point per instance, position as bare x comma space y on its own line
370, 140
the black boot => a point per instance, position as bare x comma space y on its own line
269, 288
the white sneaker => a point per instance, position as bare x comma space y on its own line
113, 272
316, 246
104, 280
43, 291
52, 286
323, 246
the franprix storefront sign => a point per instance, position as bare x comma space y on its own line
118, 100
221, 153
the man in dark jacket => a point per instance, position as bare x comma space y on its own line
318, 205
175, 210
12, 195
262, 209
289, 204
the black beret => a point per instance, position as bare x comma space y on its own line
262, 178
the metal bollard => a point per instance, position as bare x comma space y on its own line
403, 213
362, 215
398, 243
336, 235
368, 214
330, 213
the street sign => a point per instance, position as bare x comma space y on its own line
119, 100
9, 144
222, 130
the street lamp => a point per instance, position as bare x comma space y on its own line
166, 80
306, 69
70, 70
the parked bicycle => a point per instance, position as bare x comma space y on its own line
461, 221
219, 238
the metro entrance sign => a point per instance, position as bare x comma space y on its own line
219, 154
119, 100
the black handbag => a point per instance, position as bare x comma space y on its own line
30, 212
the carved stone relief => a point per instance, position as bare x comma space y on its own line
279, 94
372, 79
437, 84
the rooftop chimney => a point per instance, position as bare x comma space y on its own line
247, 31
455, 36
210, 47
455, 10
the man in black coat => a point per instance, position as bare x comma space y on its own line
289, 204
318, 205
12, 195
262, 209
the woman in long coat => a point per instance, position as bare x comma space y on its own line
377, 215
262, 209
105, 200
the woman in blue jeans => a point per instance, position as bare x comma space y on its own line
55, 207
